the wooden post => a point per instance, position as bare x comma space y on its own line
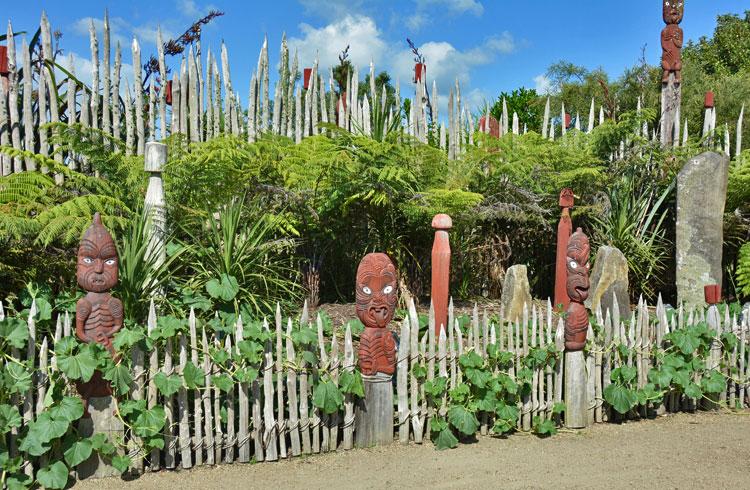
197, 405
138, 87
154, 203
153, 369
280, 386
564, 230
414, 361
576, 399
374, 417
291, 388
441, 263
270, 429
401, 383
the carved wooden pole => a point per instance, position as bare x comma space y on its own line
99, 316
377, 287
671, 63
564, 229
156, 158
576, 328
441, 269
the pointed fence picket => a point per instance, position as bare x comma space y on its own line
273, 416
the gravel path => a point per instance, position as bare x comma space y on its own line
705, 450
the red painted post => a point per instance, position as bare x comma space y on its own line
4, 71
712, 293
419, 68
708, 101
564, 230
441, 269
306, 77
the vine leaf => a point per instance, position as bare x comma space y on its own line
69, 409
9, 418
620, 398
223, 382
167, 385
351, 382
327, 397
78, 452
54, 475
463, 420
80, 366
193, 376
120, 377
15, 332
226, 287
121, 463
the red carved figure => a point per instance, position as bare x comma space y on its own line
441, 269
377, 282
671, 39
98, 314
564, 229
577, 285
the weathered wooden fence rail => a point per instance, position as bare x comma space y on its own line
274, 414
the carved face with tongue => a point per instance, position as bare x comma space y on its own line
578, 267
377, 283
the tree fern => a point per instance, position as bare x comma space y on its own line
743, 270
68, 221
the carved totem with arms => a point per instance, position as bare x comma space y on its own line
376, 297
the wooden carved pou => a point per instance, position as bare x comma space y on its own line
564, 229
98, 314
376, 297
577, 285
671, 39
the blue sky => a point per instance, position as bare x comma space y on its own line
490, 46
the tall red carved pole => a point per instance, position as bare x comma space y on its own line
564, 229
441, 269
671, 65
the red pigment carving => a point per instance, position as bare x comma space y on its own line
377, 282
564, 229
577, 318
441, 269
98, 315
671, 40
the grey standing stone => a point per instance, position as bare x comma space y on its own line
374, 415
701, 195
102, 420
516, 292
609, 277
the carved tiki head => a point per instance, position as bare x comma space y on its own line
577, 259
672, 11
97, 259
377, 283
566, 198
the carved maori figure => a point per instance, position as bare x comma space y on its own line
98, 314
577, 285
376, 297
564, 229
671, 40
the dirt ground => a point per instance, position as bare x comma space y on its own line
705, 450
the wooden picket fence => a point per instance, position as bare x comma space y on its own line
274, 418
203, 103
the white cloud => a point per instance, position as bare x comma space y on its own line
188, 8
445, 63
542, 84
359, 32
121, 31
455, 6
332, 10
427, 9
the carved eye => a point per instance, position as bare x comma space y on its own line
388, 289
110, 262
573, 264
366, 290
88, 260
